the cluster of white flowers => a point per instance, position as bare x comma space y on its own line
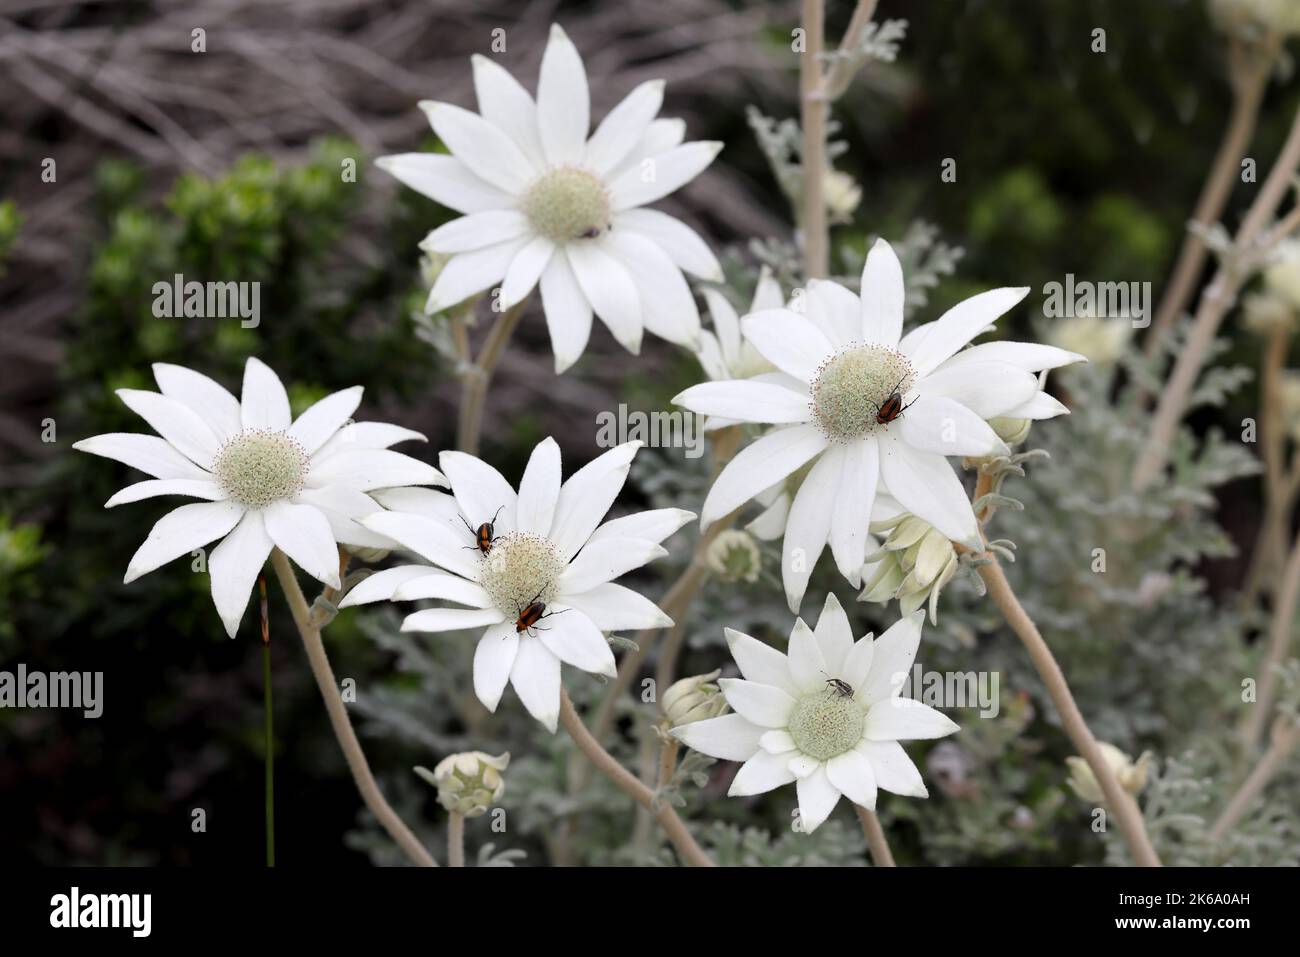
857, 418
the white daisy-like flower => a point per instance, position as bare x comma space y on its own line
546, 550
266, 480
543, 202
829, 715
868, 410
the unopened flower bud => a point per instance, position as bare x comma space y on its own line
1011, 431
1132, 775
1282, 277
914, 564
1264, 313
468, 783
1103, 341
841, 193
368, 555
734, 557
694, 699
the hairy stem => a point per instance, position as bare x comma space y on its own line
1249, 75
687, 848
1279, 640
455, 839
1286, 735
309, 630
813, 109
477, 377
881, 855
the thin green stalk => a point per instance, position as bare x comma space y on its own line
270, 731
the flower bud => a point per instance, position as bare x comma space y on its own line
1103, 341
842, 195
1132, 776
1282, 277
1263, 313
734, 557
913, 565
1245, 17
468, 783
368, 555
694, 699
1011, 431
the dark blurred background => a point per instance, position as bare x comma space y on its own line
226, 164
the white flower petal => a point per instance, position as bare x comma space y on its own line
525, 270
765, 705
789, 341
759, 662
747, 401
563, 102
859, 474
835, 311
183, 429
778, 741
682, 244
148, 453
883, 294
193, 488
667, 307
477, 230
935, 424
445, 180
568, 313
902, 719
1041, 406
381, 585
341, 507
959, 325
233, 567
808, 528
925, 485
482, 146
611, 291
892, 657
1027, 356
801, 765
834, 636
494, 657
303, 533
807, 666
536, 677
451, 619
758, 466
481, 491
761, 773
817, 798
435, 584
315, 426
856, 667
852, 774
366, 469
656, 176
263, 403
430, 538
539, 489
467, 274
661, 136
606, 560
894, 770
430, 503
366, 435
614, 607
988, 389
727, 325
575, 640
587, 496
653, 526
730, 737
621, 130
504, 102
180, 532
210, 400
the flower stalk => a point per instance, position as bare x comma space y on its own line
881, 855
455, 839
475, 378
309, 630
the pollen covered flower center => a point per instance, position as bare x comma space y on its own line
259, 466
826, 724
520, 569
855, 385
568, 203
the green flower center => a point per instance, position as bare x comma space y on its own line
521, 568
259, 466
854, 385
826, 724
568, 203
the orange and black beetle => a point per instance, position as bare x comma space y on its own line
531, 614
484, 535
892, 408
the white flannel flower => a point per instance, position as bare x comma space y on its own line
828, 716
868, 410
543, 202
266, 480
547, 546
